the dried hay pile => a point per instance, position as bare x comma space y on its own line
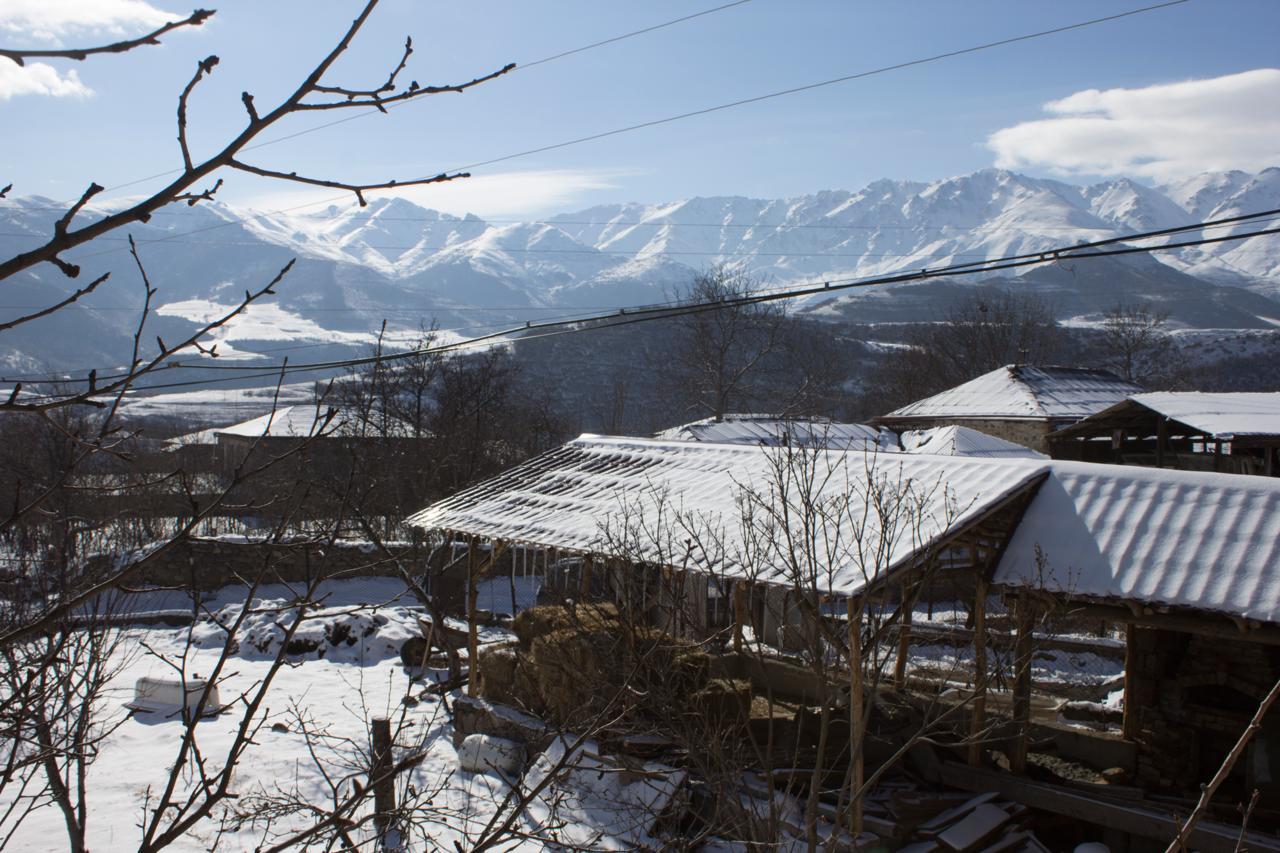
572, 663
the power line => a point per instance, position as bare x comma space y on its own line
637, 314
750, 100
820, 84
519, 67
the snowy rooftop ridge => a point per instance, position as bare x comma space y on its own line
962, 441
1198, 540
1223, 415
596, 490
1179, 538
299, 422
777, 430
1020, 391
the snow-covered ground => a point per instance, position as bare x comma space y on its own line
346, 670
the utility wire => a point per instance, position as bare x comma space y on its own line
743, 101
629, 316
519, 67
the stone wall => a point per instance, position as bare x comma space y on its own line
1194, 696
1028, 433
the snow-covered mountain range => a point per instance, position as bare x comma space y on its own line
406, 264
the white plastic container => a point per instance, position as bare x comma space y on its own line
170, 696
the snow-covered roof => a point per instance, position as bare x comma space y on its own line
1019, 391
296, 422
962, 441
1220, 415
1200, 540
776, 431
596, 491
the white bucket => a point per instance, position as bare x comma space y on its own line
170, 696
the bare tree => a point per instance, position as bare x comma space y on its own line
975, 335
1135, 343
74, 458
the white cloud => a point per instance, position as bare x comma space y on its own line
55, 20
1161, 132
38, 78
499, 195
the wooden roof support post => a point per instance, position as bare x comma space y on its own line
584, 592
1022, 652
739, 612
473, 597
978, 713
1162, 438
904, 640
1129, 724
855, 715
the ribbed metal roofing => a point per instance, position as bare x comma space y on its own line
1206, 541
1223, 416
645, 498
962, 441
775, 431
1023, 392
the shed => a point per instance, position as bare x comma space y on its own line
1190, 563
1234, 432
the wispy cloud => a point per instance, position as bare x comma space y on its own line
505, 194
1160, 132
38, 78
57, 20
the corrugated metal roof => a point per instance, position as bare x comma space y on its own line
1207, 541
962, 441
591, 492
1223, 416
1024, 392
298, 422
775, 431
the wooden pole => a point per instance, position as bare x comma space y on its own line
380, 775
978, 714
856, 735
1162, 435
739, 613
473, 596
584, 590
1129, 724
1022, 683
904, 640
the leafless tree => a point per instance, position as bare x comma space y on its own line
1135, 342
56, 656
975, 335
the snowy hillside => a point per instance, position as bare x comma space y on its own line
411, 266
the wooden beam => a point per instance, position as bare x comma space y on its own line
978, 711
1022, 655
1207, 624
739, 612
856, 735
1129, 725
1142, 820
473, 596
584, 591
904, 639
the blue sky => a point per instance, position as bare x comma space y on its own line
114, 121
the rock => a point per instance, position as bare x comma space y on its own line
481, 753
472, 715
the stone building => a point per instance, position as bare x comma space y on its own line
1018, 402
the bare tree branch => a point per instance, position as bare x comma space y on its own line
195, 19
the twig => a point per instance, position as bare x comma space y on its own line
195, 19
